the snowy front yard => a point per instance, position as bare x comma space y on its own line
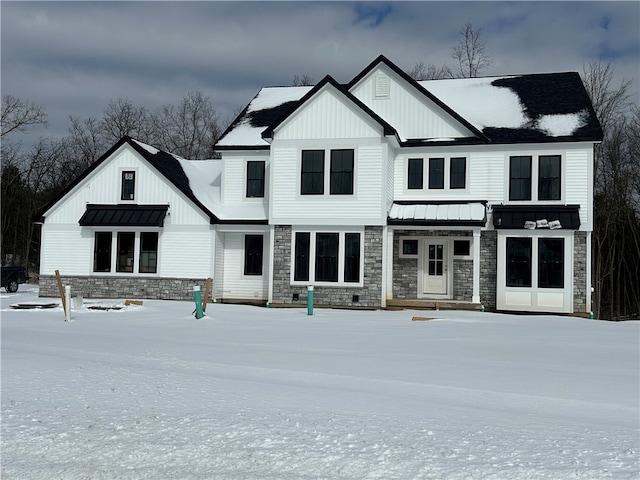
149, 392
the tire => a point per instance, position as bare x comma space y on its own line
12, 285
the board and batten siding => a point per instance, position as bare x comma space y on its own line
236, 285
328, 116
407, 109
365, 207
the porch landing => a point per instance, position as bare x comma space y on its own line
402, 304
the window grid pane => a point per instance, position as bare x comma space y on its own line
436, 173
312, 179
326, 257
148, 252
341, 173
253, 254
352, 257
549, 177
415, 174
551, 263
520, 178
128, 185
301, 266
518, 262
458, 167
102, 252
255, 179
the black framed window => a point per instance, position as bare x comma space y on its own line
148, 252
551, 263
436, 173
549, 177
458, 172
462, 248
341, 172
518, 262
327, 257
415, 174
312, 176
352, 257
128, 185
301, 261
253, 254
126, 243
520, 178
255, 179
102, 252
410, 247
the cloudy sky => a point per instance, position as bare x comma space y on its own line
74, 57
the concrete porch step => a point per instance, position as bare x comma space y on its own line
402, 304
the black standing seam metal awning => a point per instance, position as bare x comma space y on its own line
124, 215
521, 216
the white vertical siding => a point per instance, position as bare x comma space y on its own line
326, 116
408, 110
236, 285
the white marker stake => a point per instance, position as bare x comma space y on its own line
67, 297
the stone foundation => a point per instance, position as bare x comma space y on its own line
123, 287
580, 272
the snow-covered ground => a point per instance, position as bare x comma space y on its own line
149, 392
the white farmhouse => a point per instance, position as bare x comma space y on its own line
378, 193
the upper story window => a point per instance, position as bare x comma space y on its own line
549, 177
458, 173
436, 173
341, 181
443, 172
547, 184
128, 185
415, 174
312, 176
255, 179
337, 178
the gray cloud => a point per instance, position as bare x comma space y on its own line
74, 57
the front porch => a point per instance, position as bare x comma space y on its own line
405, 304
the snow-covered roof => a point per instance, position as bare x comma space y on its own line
509, 109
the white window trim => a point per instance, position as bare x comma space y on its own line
114, 252
246, 179
136, 180
447, 174
327, 175
401, 249
341, 256
535, 176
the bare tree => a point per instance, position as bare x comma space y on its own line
301, 81
469, 54
423, 71
18, 115
122, 118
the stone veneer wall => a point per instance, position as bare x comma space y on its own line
370, 295
488, 268
123, 287
405, 270
580, 272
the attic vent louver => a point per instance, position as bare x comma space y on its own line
382, 86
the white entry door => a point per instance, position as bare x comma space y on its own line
435, 267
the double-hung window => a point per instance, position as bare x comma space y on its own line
312, 176
255, 179
341, 181
415, 174
327, 257
436, 173
525, 185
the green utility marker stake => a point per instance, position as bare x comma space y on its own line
198, 299
309, 300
